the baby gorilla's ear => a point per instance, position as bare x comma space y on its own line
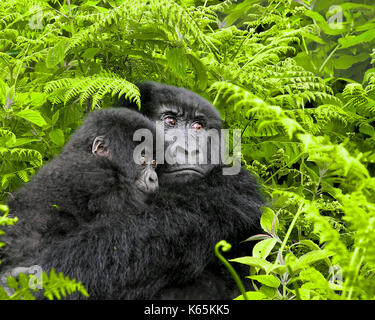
100, 147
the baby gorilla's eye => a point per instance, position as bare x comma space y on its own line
197, 126
170, 120
153, 163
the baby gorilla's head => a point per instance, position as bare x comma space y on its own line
113, 136
146, 179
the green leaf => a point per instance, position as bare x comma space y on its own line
310, 244
263, 248
3, 92
351, 41
367, 129
177, 61
313, 37
345, 61
200, 71
254, 262
268, 291
252, 295
90, 53
321, 21
55, 117
32, 116
268, 280
304, 293
269, 219
56, 54
311, 173
290, 126
313, 278
311, 257
20, 141
37, 99
57, 137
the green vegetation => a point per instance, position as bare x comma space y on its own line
298, 82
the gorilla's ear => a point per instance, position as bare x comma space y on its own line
100, 147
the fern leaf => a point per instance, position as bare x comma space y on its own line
95, 87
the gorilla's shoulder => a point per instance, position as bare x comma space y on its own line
243, 177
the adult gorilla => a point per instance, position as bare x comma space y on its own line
226, 206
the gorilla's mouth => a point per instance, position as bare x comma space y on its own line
185, 171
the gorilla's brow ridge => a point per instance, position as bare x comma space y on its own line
171, 108
181, 110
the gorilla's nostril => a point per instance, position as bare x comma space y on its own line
153, 177
182, 151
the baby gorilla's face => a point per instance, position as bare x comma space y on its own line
147, 179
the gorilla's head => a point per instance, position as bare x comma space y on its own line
191, 128
107, 135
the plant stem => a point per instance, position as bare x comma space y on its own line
328, 58
290, 230
226, 247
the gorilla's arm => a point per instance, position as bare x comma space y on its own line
231, 205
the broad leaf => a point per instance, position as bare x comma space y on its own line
268, 280
57, 137
32, 116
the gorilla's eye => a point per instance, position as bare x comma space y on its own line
197, 126
143, 160
153, 163
170, 120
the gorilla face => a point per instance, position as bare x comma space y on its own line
186, 143
110, 136
147, 179
187, 121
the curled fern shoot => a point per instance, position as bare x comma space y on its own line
225, 246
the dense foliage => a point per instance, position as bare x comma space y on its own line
294, 76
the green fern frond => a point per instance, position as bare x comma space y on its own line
58, 285
292, 150
4, 219
22, 174
327, 112
358, 98
353, 90
95, 87
170, 13
53, 286
371, 84
20, 154
220, 7
6, 136
235, 94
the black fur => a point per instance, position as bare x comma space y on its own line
82, 215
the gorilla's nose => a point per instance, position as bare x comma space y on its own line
152, 181
186, 155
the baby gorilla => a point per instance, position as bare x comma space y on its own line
92, 183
